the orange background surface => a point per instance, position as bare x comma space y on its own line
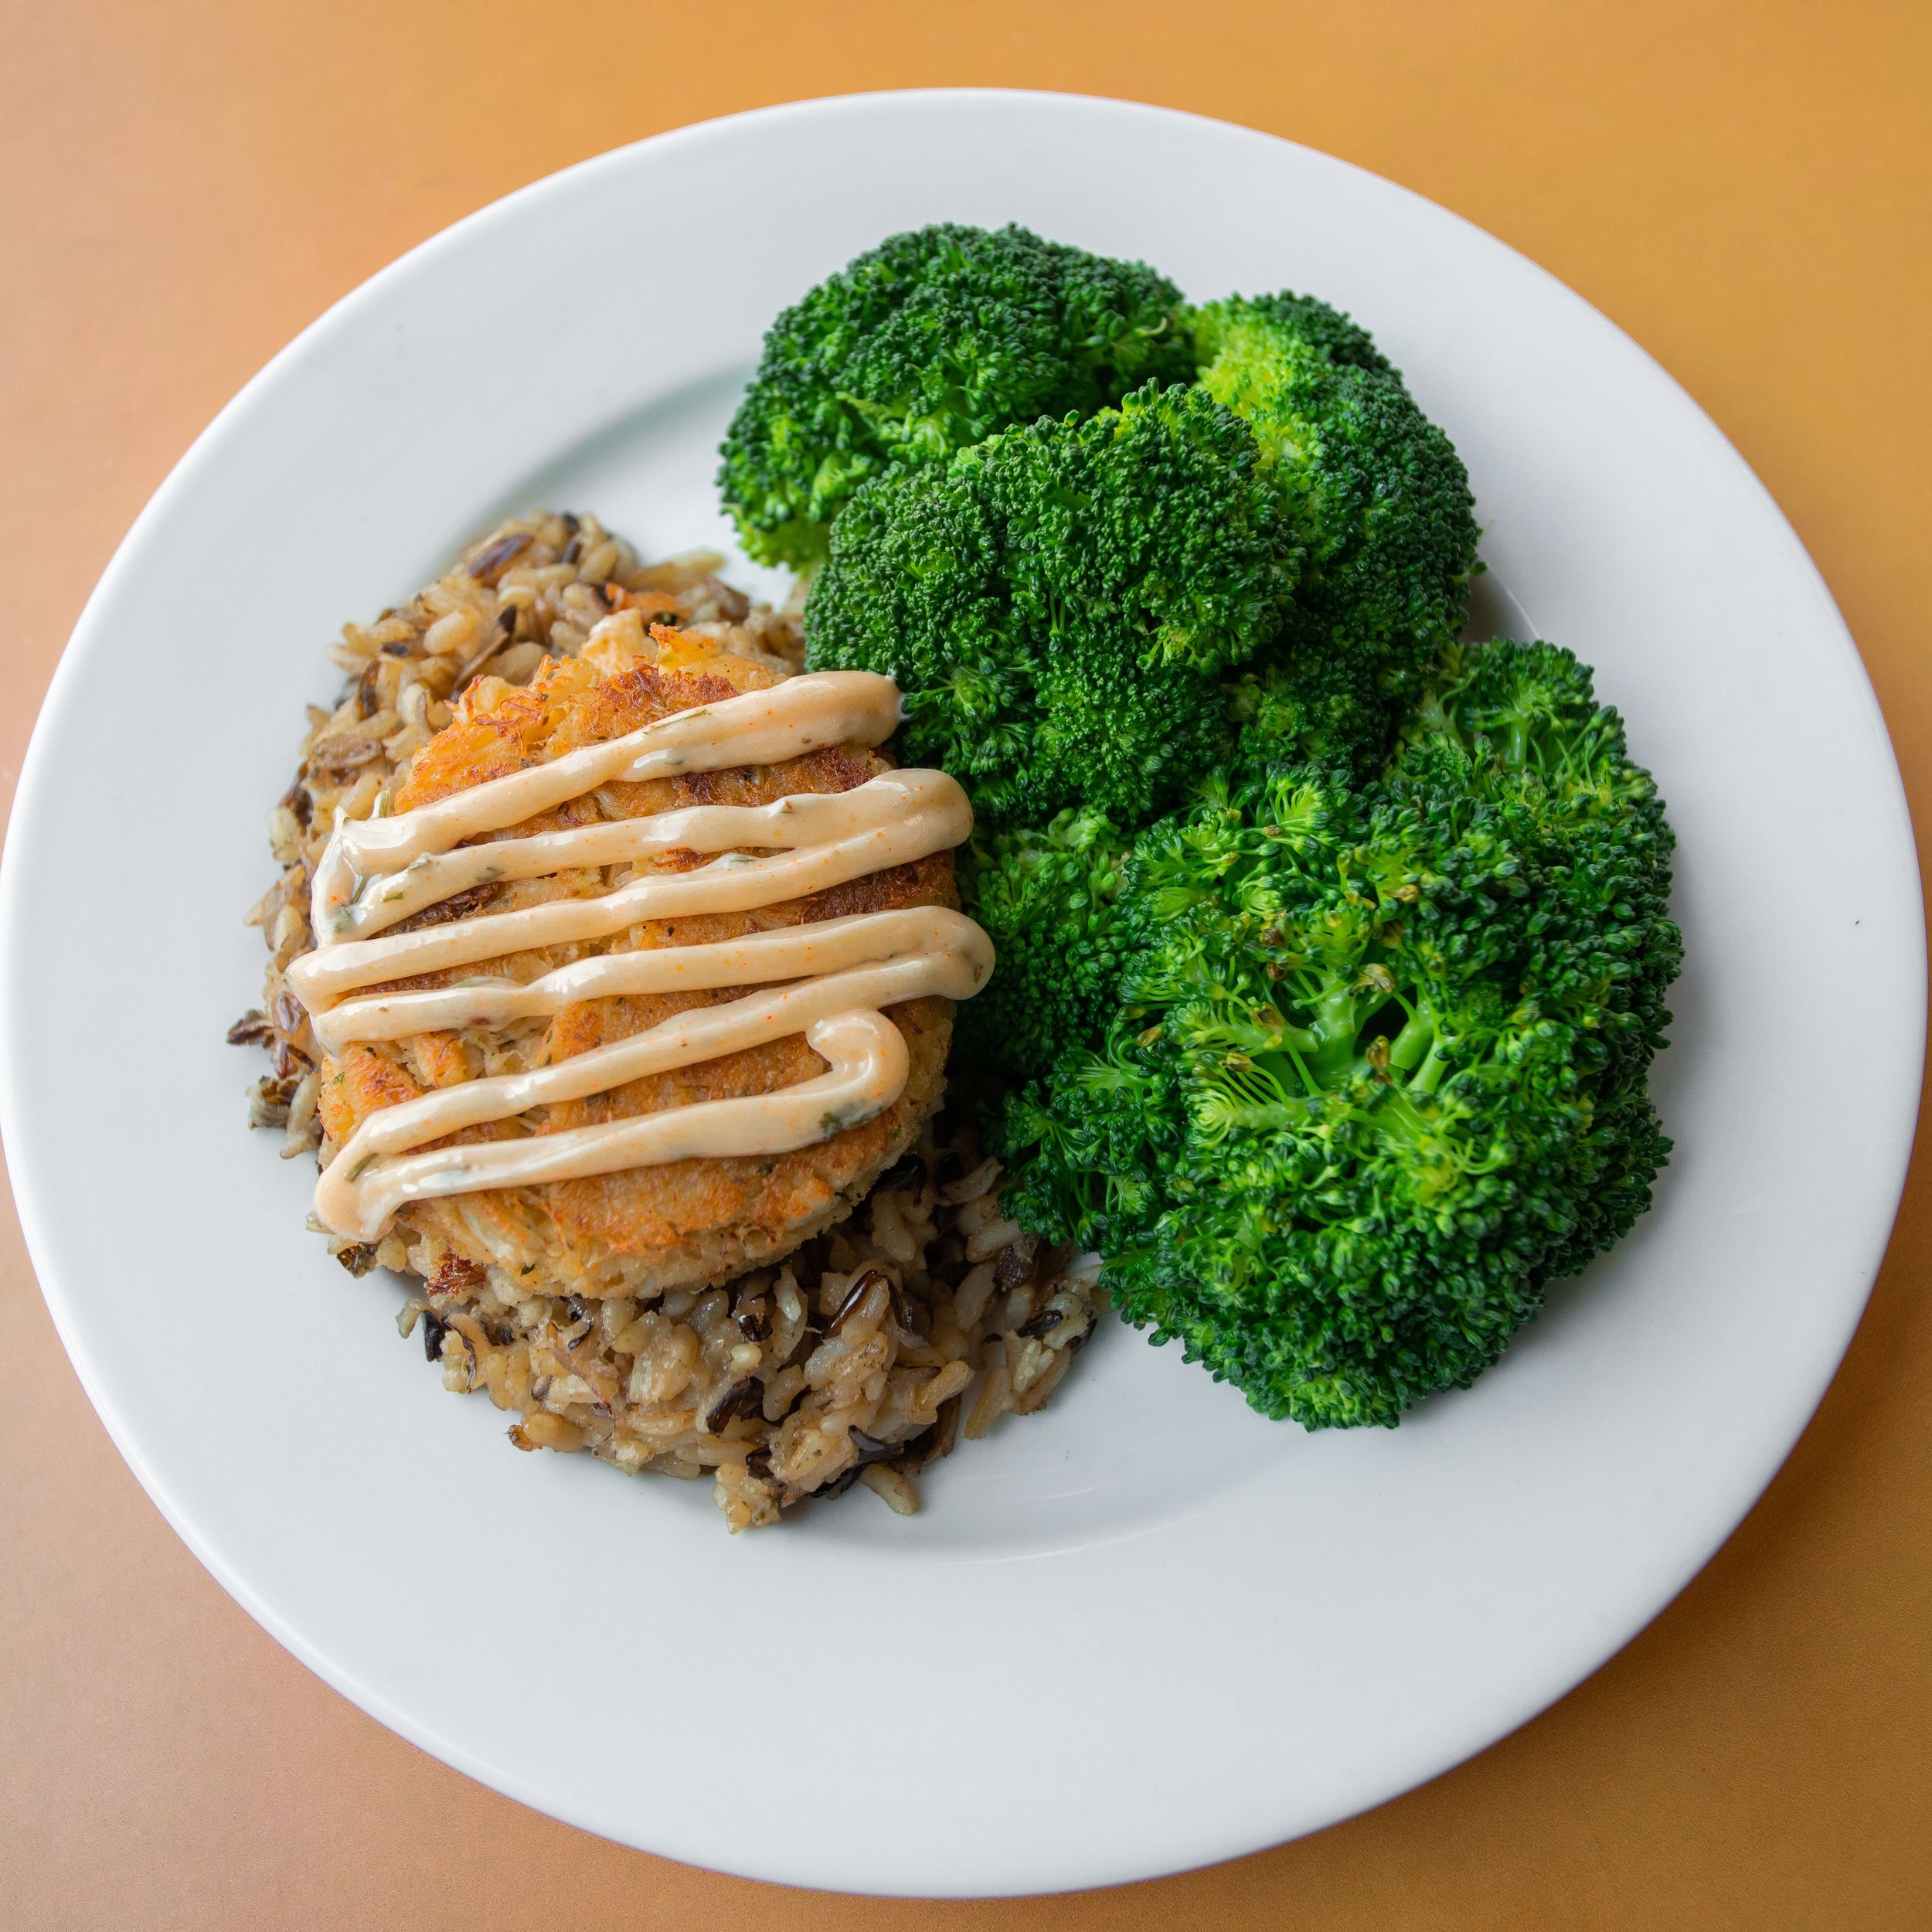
1745, 187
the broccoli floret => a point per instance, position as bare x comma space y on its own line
1379, 1075
926, 344
1060, 603
1046, 899
1380, 503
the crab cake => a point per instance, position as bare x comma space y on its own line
743, 1326
686, 1223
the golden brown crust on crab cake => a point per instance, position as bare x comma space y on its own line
688, 1222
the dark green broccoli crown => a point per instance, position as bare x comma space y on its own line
1046, 899
1379, 501
1060, 603
1378, 1071
925, 344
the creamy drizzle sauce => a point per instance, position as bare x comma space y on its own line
833, 976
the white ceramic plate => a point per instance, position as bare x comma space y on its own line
1145, 1629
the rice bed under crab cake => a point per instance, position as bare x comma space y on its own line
637, 1057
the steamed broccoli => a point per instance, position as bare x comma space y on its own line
1379, 503
1379, 1074
1060, 603
923, 345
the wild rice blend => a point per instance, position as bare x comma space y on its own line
873, 1346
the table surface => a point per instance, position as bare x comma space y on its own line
1745, 187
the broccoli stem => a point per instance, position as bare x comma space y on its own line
1297, 1039
1417, 1039
1338, 1019
1428, 1076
